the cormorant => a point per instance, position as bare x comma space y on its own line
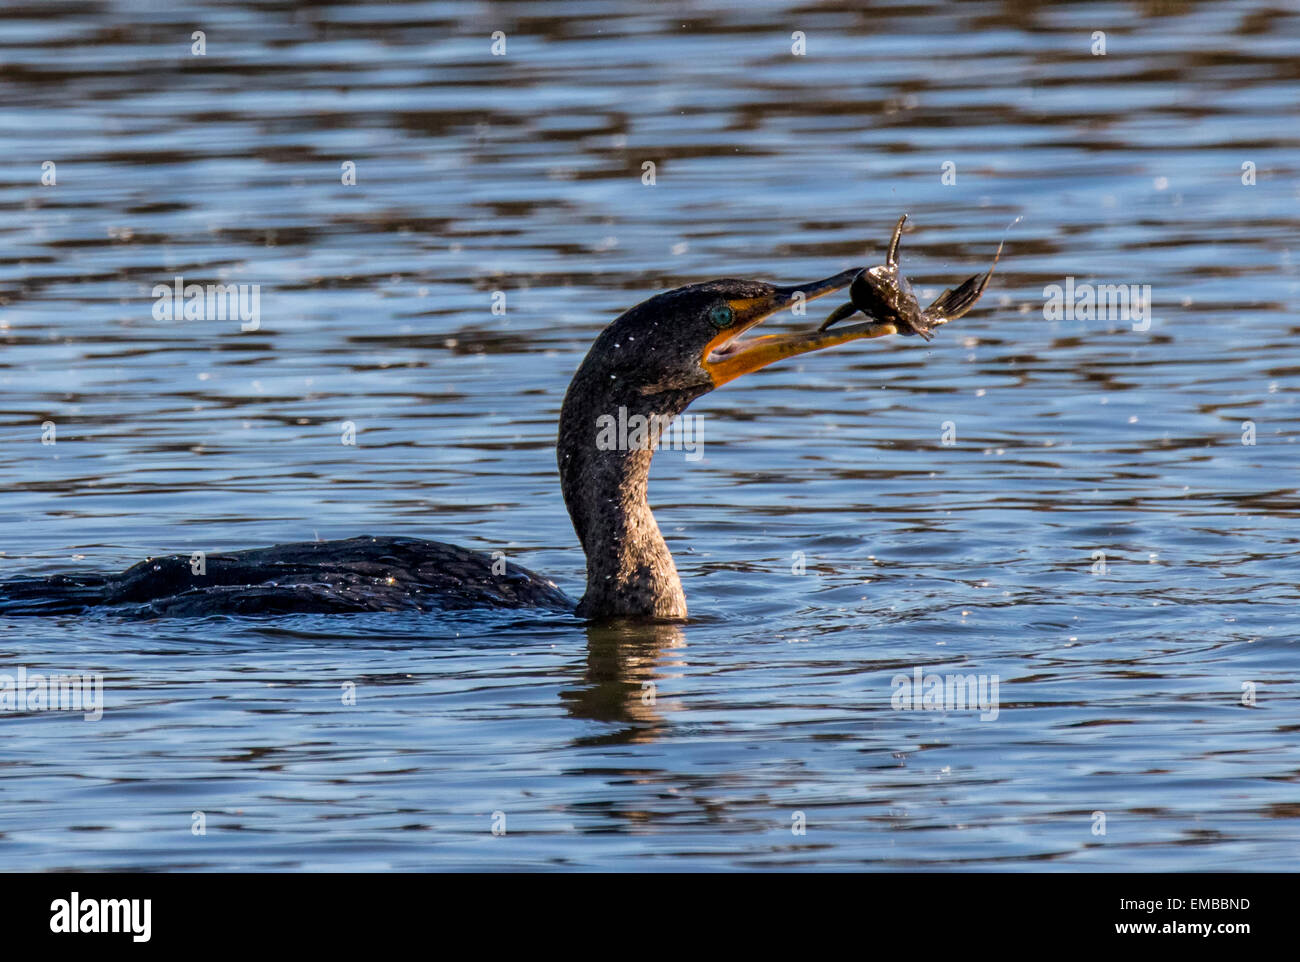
651, 361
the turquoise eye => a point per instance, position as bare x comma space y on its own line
722, 316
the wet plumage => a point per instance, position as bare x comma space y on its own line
356, 574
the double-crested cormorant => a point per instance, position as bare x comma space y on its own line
652, 361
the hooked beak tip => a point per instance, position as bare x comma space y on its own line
784, 296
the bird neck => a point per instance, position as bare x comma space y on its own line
604, 471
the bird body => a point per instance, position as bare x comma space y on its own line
350, 575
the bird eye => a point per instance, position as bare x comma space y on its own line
722, 316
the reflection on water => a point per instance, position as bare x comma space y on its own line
624, 663
1101, 516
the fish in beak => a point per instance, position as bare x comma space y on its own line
883, 293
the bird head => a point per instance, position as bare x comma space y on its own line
683, 343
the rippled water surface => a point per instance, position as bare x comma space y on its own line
1120, 692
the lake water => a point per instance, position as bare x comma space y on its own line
946, 502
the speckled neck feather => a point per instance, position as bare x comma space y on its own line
630, 571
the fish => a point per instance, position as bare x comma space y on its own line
885, 295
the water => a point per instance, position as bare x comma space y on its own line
687, 747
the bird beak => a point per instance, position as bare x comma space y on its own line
728, 356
